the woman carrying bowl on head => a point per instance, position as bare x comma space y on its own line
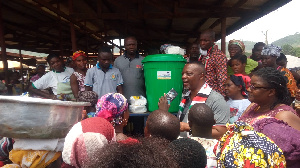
58, 80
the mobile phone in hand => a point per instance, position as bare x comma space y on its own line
171, 95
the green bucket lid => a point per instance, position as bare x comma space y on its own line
164, 58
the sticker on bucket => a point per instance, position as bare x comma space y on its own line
163, 74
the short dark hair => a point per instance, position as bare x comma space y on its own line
199, 64
104, 49
258, 44
240, 57
201, 115
129, 37
150, 152
164, 125
189, 153
276, 80
50, 56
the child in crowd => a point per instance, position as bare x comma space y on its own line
238, 64
91, 97
201, 121
104, 78
235, 90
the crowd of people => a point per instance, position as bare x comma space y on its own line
233, 113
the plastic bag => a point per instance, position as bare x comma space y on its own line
137, 104
138, 100
137, 109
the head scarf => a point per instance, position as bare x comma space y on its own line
238, 81
88, 96
85, 138
241, 146
111, 106
77, 54
239, 43
271, 50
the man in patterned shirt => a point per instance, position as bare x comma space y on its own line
215, 62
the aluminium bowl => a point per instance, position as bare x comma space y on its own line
27, 117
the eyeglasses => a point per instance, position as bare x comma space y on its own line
255, 88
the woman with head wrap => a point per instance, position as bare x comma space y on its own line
84, 140
269, 55
78, 76
114, 108
235, 90
238, 47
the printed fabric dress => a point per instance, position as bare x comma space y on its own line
241, 146
80, 79
291, 83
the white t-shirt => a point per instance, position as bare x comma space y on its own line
50, 79
208, 145
237, 108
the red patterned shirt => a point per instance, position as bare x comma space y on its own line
216, 69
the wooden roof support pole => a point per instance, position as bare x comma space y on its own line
60, 30
120, 46
72, 28
3, 46
21, 66
223, 35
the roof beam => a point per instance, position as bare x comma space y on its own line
229, 11
71, 20
195, 33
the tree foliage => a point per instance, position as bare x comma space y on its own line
287, 49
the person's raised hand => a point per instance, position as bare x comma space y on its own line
163, 103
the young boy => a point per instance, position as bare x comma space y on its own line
104, 78
201, 121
